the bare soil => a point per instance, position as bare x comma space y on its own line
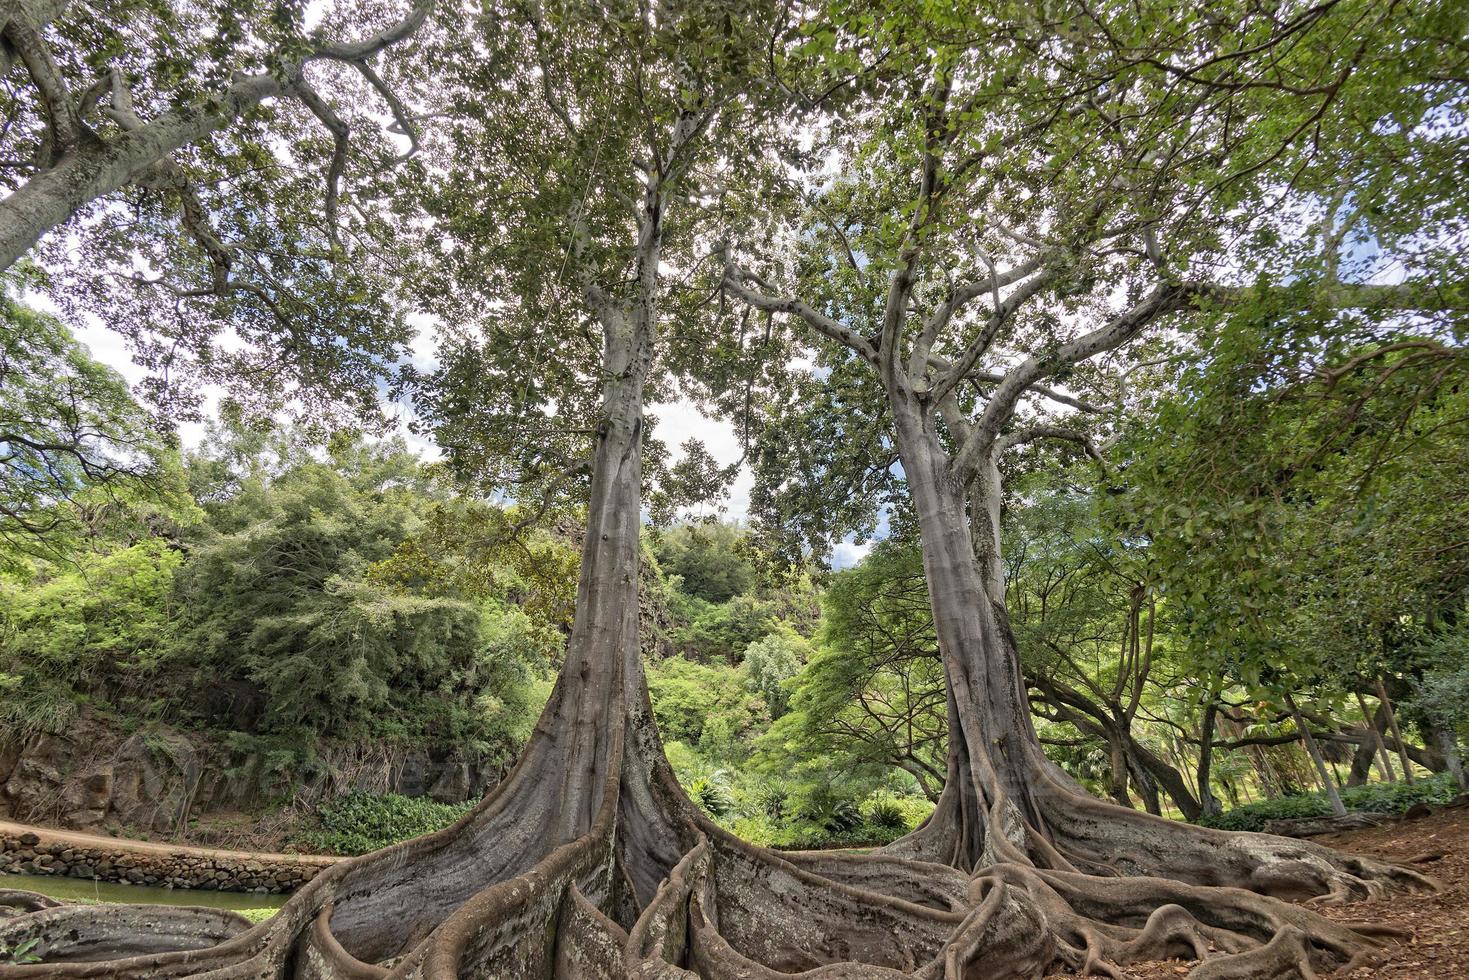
1437, 845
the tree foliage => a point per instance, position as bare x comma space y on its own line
72, 439
202, 156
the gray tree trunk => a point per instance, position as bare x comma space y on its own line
1005, 805
1397, 733
1448, 744
1374, 734
1208, 802
1328, 786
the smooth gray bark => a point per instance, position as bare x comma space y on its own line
1375, 734
96, 169
1208, 802
1448, 744
1397, 733
1328, 785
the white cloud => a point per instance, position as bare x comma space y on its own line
848, 553
423, 349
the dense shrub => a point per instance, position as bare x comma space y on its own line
799, 810
1252, 816
1371, 798
886, 812
362, 822
711, 793
710, 560
704, 705
1397, 797
95, 629
771, 662
726, 629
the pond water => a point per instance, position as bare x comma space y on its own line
75, 889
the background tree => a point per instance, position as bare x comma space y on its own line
276, 616
1086, 620
72, 440
872, 693
706, 557
1297, 558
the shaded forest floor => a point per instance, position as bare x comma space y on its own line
1439, 948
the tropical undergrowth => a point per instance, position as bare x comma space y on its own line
360, 822
1386, 798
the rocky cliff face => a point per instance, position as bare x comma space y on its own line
92, 775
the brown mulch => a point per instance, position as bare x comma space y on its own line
1439, 949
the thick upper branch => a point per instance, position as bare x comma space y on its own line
734, 281
1162, 300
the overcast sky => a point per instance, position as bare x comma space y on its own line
677, 421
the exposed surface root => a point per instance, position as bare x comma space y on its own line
14, 901
1116, 886
1106, 922
81, 933
641, 887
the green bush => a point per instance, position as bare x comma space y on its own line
1371, 798
885, 812
843, 818
1252, 816
706, 705
1397, 797
771, 662
811, 837
727, 629
712, 794
362, 822
710, 559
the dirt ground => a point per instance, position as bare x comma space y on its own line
1439, 949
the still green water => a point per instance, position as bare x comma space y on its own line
83, 889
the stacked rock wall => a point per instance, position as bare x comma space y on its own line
30, 852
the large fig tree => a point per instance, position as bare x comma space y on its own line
583, 148
1019, 197
201, 177
582, 144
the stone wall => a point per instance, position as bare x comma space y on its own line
93, 776
29, 852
